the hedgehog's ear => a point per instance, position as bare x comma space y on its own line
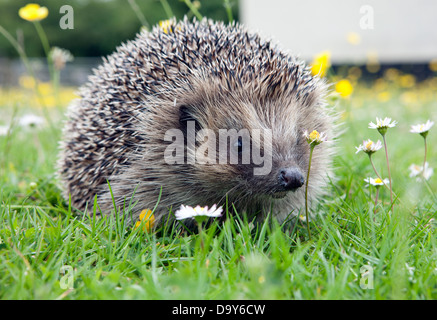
186, 115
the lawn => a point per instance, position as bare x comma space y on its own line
357, 250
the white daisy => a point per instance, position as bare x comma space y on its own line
302, 218
423, 128
376, 182
368, 146
382, 125
417, 171
315, 138
60, 57
30, 120
189, 212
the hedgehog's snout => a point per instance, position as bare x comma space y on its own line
290, 178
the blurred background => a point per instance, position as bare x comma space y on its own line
397, 31
385, 50
372, 35
99, 27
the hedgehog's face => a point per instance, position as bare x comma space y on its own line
244, 149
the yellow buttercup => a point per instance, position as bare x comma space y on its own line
33, 12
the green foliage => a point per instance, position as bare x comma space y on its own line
40, 235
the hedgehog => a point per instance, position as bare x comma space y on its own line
128, 138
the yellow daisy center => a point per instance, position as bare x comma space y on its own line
369, 145
377, 180
314, 135
199, 210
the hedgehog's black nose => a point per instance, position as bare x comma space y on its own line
291, 178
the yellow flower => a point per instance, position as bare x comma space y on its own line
302, 218
49, 101
382, 125
45, 88
369, 147
33, 12
27, 82
315, 138
321, 63
407, 81
409, 98
423, 128
166, 26
148, 217
376, 182
314, 135
344, 88
384, 96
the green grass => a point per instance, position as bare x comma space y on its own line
40, 235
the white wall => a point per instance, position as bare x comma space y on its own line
404, 31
